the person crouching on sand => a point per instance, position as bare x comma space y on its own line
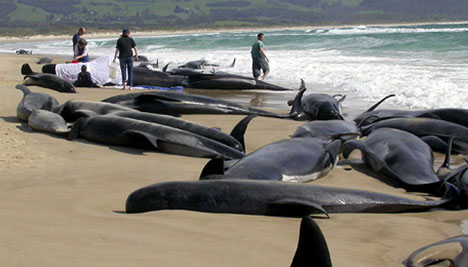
81, 51
84, 79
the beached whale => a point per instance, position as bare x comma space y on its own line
176, 104
455, 115
234, 140
31, 101
436, 132
202, 63
181, 71
120, 131
273, 198
312, 248
458, 178
399, 156
44, 60
145, 76
343, 130
48, 121
223, 80
75, 109
316, 106
291, 160
449, 252
23, 52
50, 81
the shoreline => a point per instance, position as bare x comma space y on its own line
110, 34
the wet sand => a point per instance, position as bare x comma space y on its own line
62, 203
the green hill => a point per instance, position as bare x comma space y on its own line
21, 17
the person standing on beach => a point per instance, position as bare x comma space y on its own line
259, 59
81, 51
124, 49
77, 36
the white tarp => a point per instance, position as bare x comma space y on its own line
99, 69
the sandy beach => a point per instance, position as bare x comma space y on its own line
62, 202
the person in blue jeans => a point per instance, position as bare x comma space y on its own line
124, 47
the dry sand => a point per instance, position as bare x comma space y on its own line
61, 203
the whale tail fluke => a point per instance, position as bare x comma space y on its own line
296, 104
23, 89
312, 249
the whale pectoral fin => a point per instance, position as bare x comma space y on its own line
141, 139
340, 99
429, 116
292, 207
350, 146
239, 130
213, 167
333, 150
436, 143
83, 113
75, 129
145, 98
48, 105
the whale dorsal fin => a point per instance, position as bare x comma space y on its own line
233, 63
238, 131
312, 249
214, 167
164, 69
380, 102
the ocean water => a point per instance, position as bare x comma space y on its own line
426, 66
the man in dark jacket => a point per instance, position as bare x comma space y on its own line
124, 47
77, 37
